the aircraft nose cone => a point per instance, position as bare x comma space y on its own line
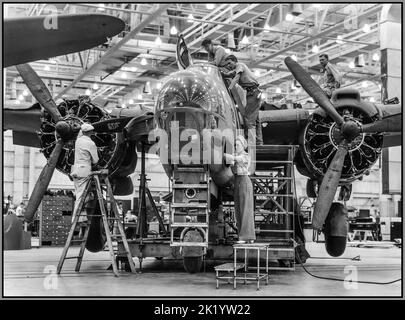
110, 26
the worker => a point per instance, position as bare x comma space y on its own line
216, 54
85, 156
243, 191
245, 78
331, 76
20, 210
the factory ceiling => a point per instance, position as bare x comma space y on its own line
130, 68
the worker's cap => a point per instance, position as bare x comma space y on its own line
86, 127
242, 141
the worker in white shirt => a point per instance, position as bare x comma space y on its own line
243, 191
85, 156
332, 78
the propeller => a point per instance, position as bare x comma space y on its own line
329, 186
349, 130
43, 181
313, 89
39, 90
64, 130
391, 123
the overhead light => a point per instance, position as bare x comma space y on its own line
294, 57
339, 40
289, 17
21, 97
158, 85
366, 28
376, 57
245, 40
47, 68
88, 92
210, 6
351, 65
372, 99
95, 86
173, 30
257, 73
147, 88
25, 93
266, 28
190, 18
101, 7
264, 96
158, 41
364, 84
124, 75
124, 105
144, 62
131, 101
315, 49
231, 40
133, 69
140, 96
228, 51
278, 90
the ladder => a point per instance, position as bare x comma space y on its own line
109, 213
274, 194
189, 209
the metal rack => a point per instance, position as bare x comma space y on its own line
274, 194
190, 205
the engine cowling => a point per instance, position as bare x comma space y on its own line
319, 140
113, 151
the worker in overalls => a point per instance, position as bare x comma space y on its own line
216, 54
245, 78
331, 76
243, 191
85, 156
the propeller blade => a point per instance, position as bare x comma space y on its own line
39, 90
313, 89
390, 123
42, 183
328, 187
111, 125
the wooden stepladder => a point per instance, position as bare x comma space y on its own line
108, 213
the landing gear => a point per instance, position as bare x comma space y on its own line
192, 264
312, 188
335, 229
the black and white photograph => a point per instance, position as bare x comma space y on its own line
202, 151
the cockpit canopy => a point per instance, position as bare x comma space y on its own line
201, 86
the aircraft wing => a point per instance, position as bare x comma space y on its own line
36, 38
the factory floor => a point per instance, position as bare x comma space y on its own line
31, 273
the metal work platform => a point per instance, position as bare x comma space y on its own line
274, 194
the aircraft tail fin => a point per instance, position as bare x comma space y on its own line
183, 54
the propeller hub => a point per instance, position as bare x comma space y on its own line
64, 130
350, 130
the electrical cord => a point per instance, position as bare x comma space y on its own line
335, 279
343, 280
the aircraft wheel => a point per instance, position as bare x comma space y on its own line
312, 188
192, 264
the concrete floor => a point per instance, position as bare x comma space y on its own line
31, 273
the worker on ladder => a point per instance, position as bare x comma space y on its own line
85, 156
